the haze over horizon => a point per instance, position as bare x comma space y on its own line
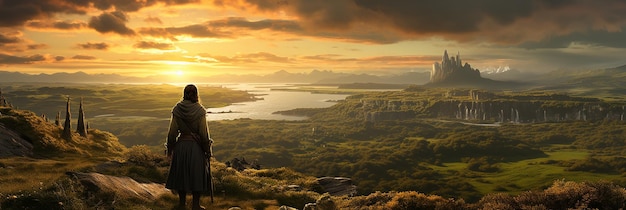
189, 38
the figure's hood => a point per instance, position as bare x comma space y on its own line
188, 110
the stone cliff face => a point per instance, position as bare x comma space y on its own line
452, 70
526, 111
486, 106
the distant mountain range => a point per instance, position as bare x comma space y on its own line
613, 79
315, 76
64, 77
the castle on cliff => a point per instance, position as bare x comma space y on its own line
450, 69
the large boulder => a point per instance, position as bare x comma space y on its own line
120, 186
337, 186
12, 144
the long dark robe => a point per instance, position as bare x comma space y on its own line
187, 170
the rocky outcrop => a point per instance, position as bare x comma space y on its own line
527, 111
67, 125
81, 128
337, 186
452, 73
11, 144
452, 69
324, 202
488, 106
242, 164
3, 101
57, 119
123, 187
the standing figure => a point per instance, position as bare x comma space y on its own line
188, 146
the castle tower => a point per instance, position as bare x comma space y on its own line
67, 127
81, 129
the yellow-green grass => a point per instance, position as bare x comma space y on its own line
170, 201
20, 174
524, 175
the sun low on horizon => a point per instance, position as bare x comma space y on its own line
200, 38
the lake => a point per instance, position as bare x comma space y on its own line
273, 100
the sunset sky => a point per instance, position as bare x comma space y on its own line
181, 38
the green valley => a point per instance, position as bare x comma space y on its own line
474, 146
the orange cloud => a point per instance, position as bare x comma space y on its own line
94, 46
60, 25
259, 57
14, 42
84, 57
10, 59
154, 45
114, 22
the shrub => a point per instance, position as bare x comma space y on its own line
143, 156
296, 199
481, 164
415, 200
561, 195
498, 201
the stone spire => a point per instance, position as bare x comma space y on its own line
67, 127
57, 120
3, 101
81, 129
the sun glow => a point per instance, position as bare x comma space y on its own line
174, 68
174, 73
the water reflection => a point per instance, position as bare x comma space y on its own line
272, 101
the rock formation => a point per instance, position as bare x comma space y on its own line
81, 128
337, 186
57, 120
452, 73
3, 102
488, 106
67, 126
242, 164
124, 187
451, 69
12, 144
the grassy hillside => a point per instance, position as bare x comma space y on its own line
46, 136
53, 156
39, 182
135, 113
